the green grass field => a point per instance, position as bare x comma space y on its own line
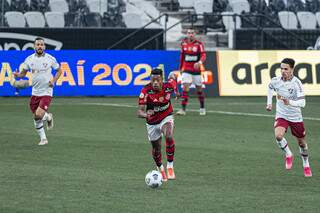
98, 155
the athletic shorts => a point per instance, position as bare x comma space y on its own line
191, 79
154, 131
297, 128
39, 101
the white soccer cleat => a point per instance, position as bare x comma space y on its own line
43, 142
202, 111
50, 121
181, 112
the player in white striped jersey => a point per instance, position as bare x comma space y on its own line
290, 100
40, 64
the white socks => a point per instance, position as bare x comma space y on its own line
170, 164
40, 129
45, 116
304, 155
283, 144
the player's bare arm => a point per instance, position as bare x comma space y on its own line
142, 113
22, 74
53, 81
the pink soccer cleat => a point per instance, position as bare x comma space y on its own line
307, 172
289, 160
163, 173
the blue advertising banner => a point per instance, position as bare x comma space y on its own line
93, 72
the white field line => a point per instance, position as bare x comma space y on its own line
189, 110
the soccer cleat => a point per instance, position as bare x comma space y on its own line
289, 160
203, 111
181, 112
50, 121
163, 173
170, 172
307, 172
43, 142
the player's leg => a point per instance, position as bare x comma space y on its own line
154, 136
186, 82
200, 94
196, 79
167, 130
38, 115
157, 157
44, 105
281, 126
298, 131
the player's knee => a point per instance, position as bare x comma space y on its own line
169, 136
279, 137
38, 115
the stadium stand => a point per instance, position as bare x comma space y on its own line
208, 17
35, 19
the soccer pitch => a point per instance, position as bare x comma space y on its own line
98, 155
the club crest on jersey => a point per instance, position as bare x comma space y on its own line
161, 99
194, 49
168, 96
45, 65
290, 90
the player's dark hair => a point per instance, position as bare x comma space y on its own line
157, 71
38, 39
289, 61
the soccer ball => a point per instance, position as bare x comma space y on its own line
154, 179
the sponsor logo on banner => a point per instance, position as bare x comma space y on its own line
248, 73
20, 41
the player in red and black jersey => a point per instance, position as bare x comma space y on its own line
192, 58
155, 106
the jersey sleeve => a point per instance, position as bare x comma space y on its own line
55, 65
25, 64
173, 84
202, 53
299, 88
143, 97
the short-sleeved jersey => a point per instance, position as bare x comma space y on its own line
291, 90
158, 101
41, 67
191, 52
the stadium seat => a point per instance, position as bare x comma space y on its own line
59, 6
35, 19
186, 4
98, 6
240, 6
93, 20
203, 6
307, 20
147, 7
229, 21
55, 19
288, 20
132, 20
15, 19
70, 19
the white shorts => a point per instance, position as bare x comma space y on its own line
191, 79
154, 131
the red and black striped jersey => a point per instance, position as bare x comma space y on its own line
191, 52
158, 101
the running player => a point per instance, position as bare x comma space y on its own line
290, 100
192, 58
155, 106
40, 64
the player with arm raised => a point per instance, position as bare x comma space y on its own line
290, 100
40, 64
155, 106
